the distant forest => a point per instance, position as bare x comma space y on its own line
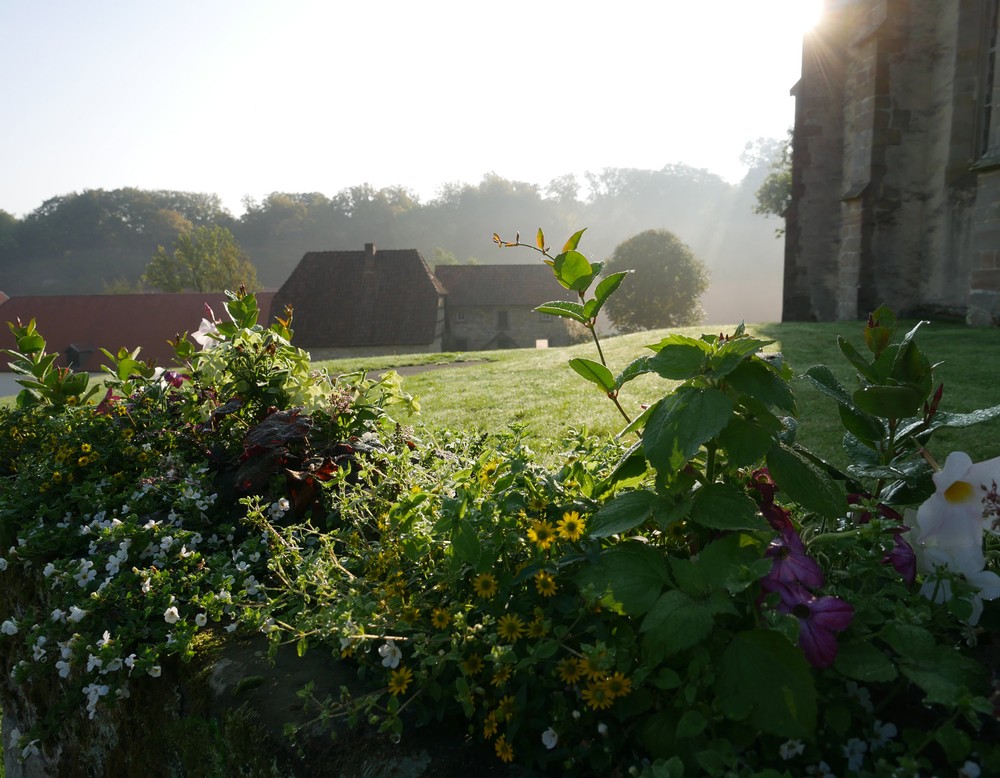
100, 241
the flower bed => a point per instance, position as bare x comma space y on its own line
700, 596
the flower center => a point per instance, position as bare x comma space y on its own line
801, 611
958, 492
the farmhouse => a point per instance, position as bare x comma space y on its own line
492, 307
896, 163
363, 303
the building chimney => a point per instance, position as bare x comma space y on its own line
369, 249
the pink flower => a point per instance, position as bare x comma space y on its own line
820, 618
791, 562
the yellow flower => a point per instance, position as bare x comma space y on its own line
504, 749
596, 696
85, 448
571, 526
505, 708
617, 685
510, 627
399, 679
472, 664
56, 477
484, 585
591, 667
501, 675
490, 725
537, 628
542, 534
440, 618
545, 583
569, 670
409, 613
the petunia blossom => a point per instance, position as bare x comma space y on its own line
791, 563
820, 618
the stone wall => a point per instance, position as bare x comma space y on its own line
475, 328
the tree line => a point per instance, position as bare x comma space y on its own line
99, 241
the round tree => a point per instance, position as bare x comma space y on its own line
665, 288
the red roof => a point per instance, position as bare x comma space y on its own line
112, 321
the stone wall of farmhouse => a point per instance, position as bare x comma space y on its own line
475, 328
896, 163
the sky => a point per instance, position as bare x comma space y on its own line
242, 98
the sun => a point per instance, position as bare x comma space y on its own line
804, 14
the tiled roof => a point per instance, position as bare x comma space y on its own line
113, 321
362, 298
529, 285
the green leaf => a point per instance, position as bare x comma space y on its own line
574, 240
564, 308
854, 356
733, 352
889, 402
755, 379
862, 661
634, 369
805, 483
942, 419
679, 357
760, 668
721, 506
674, 623
573, 270
594, 372
692, 724
912, 368
681, 422
607, 287
634, 573
30, 343
465, 543
623, 513
823, 379
863, 426
745, 441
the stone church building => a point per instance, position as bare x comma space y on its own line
896, 163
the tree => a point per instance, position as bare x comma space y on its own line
775, 193
665, 287
204, 259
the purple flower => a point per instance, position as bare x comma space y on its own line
791, 562
779, 518
175, 379
902, 557
819, 619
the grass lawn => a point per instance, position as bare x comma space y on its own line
538, 389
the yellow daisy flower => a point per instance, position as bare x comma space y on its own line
510, 627
484, 585
490, 725
545, 583
440, 618
596, 696
568, 670
504, 749
400, 679
472, 665
542, 534
501, 675
537, 628
571, 526
617, 685
505, 708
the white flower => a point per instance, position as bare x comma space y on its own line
231, 627
550, 738
113, 666
201, 619
58, 615
15, 735
207, 335
791, 748
821, 770
969, 770
64, 667
93, 662
602, 728
3, 564
9, 627
390, 653
171, 615
860, 695
105, 639
284, 504
883, 734
854, 751
76, 614
130, 663
48, 570
30, 750
155, 671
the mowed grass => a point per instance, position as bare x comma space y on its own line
484, 391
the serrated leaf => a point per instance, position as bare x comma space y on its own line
805, 483
594, 372
680, 423
621, 514
565, 309
746, 442
692, 723
864, 662
679, 357
734, 351
574, 240
634, 572
760, 668
674, 623
721, 506
633, 369
755, 379
604, 290
465, 543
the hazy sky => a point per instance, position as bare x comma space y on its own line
248, 97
